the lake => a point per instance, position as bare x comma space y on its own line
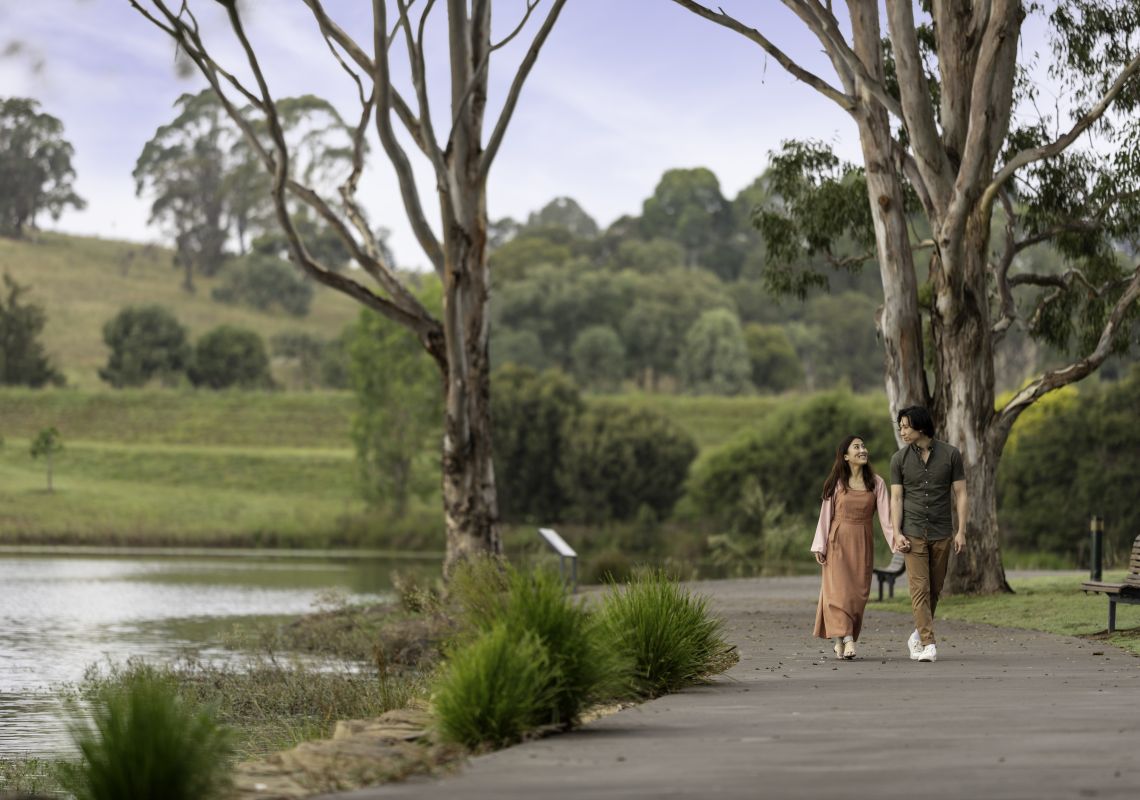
61, 611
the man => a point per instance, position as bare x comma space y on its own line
925, 473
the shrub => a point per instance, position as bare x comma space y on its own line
493, 690
615, 461
530, 414
230, 356
667, 633
788, 454
144, 741
598, 357
610, 565
263, 281
146, 342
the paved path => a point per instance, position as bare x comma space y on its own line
1002, 714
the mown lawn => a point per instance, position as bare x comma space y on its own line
1054, 604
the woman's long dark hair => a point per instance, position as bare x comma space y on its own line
841, 470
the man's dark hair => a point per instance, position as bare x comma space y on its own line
919, 419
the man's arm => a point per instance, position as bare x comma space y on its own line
961, 507
896, 516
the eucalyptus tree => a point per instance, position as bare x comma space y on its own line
943, 105
459, 163
35, 166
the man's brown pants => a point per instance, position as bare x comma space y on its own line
926, 563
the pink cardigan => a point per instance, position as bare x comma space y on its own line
882, 502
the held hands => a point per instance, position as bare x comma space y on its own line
959, 542
902, 544
820, 558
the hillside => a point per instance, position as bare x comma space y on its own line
83, 282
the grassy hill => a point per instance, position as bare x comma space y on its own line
83, 282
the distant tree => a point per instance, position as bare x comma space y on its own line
47, 443
714, 359
563, 212
264, 282
651, 257
841, 342
399, 407
687, 206
515, 259
532, 413
616, 460
146, 342
229, 356
598, 357
521, 348
775, 365
22, 358
208, 186
35, 166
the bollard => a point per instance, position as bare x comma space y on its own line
1096, 531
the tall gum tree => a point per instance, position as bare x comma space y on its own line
932, 100
458, 341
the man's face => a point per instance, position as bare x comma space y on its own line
907, 433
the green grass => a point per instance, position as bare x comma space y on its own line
82, 282
1051, 604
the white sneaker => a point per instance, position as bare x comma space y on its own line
929, 653
914, 645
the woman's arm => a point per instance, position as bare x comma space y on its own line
883, 505
819, 544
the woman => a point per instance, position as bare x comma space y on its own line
843, 543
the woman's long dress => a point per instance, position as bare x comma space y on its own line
847, 573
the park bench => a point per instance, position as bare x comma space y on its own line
889, 573
1127, 591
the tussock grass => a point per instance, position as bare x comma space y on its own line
667, 631
494, 690
143, 740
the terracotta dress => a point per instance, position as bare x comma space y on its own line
847, 572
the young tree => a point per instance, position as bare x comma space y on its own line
932, 100
35, 166
47, 443
460, 165
22, 358
714, 358
398, 404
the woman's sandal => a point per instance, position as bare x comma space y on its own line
838, 650
849, 650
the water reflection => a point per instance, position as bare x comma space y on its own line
59, 614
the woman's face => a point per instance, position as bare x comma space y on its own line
856, 453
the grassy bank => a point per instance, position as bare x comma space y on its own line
1054, 604
82, 282
198, 468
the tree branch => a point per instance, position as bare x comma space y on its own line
496, 138
845, 101
1033, 154
1055, 379
382, 83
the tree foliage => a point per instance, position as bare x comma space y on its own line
229, 356
23, 361
399, 404
146, 342
265, 282
35, 166
714, 359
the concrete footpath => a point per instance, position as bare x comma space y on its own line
1002, 714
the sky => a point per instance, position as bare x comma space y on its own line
623, 91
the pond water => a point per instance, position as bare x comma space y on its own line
60, 613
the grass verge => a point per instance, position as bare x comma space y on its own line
1054, 604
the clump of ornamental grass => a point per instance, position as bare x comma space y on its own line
586, 669
492, 690
140, 739
667, 632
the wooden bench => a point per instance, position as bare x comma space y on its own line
889, 573
1128, 591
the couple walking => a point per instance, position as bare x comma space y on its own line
916, 521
